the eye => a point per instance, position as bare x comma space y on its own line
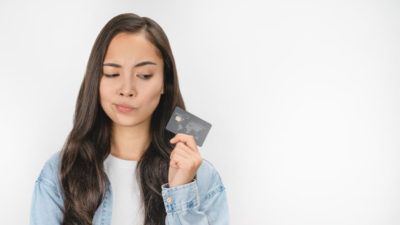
145, 76
111, 75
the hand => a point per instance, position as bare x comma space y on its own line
184, 161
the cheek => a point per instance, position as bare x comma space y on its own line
104, 93
152, 94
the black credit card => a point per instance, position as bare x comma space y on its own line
182, 121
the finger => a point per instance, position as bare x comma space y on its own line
178, 161
186, 151
184, 159
173, 163
186, 139
183, 150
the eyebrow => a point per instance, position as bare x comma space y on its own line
137, 65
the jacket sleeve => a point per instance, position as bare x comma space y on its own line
47, 205
185, 206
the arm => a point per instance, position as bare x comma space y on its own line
47, 204
184, 205
194, 194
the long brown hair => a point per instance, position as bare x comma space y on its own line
88, 144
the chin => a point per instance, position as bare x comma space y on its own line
128, 122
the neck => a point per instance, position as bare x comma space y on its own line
130, 143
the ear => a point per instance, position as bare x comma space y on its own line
162, 90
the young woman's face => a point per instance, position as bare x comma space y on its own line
132, 77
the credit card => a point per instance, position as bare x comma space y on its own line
182, 121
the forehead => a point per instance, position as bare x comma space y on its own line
131, 48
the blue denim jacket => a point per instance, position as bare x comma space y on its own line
200, 202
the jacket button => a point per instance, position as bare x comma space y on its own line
169, 200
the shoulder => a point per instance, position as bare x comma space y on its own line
209, 180
50, 170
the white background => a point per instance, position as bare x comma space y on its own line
303, 96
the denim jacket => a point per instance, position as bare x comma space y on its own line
200, 202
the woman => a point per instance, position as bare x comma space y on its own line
119, 165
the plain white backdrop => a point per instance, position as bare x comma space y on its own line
304, 98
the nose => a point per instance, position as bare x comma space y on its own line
127, 90
128, 93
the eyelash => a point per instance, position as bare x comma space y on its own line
145, 76
111, 75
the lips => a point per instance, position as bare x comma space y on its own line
124, 108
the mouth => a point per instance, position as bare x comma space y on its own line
124, 108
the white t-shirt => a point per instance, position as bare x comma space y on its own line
126, 208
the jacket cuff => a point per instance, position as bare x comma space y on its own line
180, 198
